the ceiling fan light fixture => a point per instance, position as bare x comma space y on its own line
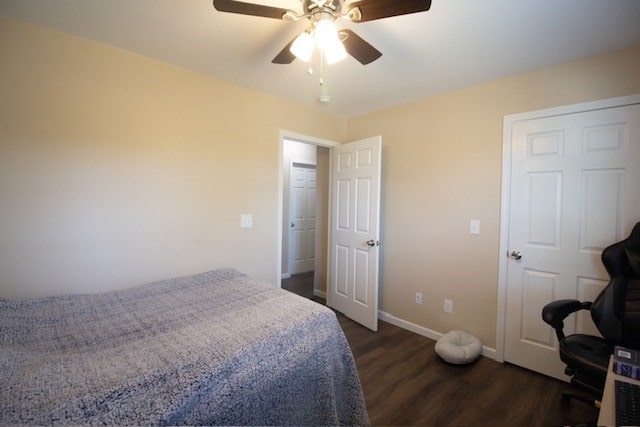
328, 41
326, 34
335, 53
302, 46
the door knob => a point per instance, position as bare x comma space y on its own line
373, 243
516, 255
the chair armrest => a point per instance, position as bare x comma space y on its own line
555, 312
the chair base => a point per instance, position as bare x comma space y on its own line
567, 396
593, 385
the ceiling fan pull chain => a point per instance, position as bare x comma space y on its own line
324, 96
321, 67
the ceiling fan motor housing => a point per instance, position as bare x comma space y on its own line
331, 6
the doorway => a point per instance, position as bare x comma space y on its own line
348, 180
303, 258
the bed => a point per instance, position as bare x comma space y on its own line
217, 348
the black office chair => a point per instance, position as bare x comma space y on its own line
615, 312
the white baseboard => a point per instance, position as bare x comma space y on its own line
426, 332
320, 294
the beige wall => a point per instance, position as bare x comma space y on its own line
442, 168
116, 169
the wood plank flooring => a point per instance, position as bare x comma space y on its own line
301, 284
406, 383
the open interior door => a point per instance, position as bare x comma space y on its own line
355, 228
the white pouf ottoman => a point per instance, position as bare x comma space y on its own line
458, 347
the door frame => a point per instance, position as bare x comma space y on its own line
505, 213
305, 139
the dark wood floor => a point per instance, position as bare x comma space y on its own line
301, 284
406, 383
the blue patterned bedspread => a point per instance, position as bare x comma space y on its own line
217, 348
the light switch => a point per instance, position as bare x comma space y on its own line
246, 221
474, 226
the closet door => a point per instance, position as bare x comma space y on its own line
574, 191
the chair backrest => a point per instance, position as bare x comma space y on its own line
616, 311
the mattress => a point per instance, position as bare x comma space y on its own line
217, 348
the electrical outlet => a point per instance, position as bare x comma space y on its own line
418, 297
246, 221
448, 306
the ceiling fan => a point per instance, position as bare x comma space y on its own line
322, 33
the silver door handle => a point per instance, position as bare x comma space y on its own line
517, 255
373, 242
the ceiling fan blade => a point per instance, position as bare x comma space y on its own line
378, 9
357, 47
249, 9
285, 56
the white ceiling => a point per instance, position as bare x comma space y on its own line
458, 43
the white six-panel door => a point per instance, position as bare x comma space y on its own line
302, 226
355, 225
575, 189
